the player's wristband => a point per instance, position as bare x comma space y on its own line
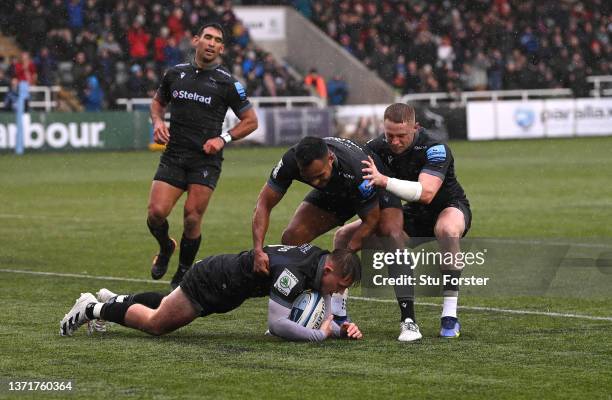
226, 137
406, 190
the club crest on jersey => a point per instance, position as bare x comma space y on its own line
436, 153
182, 75
285, 282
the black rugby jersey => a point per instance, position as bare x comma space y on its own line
346, 182
424, 155
199, 99
230, 279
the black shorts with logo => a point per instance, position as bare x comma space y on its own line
420, 220
182, 169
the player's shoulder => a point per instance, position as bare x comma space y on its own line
434, 149
182, 67
222, 74
377, 144
342, 144
176, 70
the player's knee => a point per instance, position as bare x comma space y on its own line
447, 231
391, 231
291, 237
156, 213
341, 238
192, 220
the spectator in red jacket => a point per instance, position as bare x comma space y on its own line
25, 69
313, 79
138, 39
175, 24
159, 44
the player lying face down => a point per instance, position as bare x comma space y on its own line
219, 284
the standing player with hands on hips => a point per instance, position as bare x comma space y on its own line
199, 94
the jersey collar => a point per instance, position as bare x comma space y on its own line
209, 68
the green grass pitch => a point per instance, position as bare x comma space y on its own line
84, 214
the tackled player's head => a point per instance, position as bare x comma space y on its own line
342, 269
400, 126
315, 161
208, 43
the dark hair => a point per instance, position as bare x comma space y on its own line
347, 264
309, 149
215, 25
399, 113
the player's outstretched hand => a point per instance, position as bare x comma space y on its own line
161, 134
351, 331
261, 263
371, 173
214, 145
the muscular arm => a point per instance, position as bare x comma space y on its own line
422, 191
248, 123
266, 201
368, 224
431, 184
161, 134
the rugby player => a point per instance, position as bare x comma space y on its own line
424, 175
332, 166
199, 94
219, 284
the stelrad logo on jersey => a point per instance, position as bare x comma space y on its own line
185, 95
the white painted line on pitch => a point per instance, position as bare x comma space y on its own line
493, 309
473, 308
63, 218
541, 242
104, 278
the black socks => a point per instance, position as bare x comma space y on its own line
406, 306
161, 235
189, 250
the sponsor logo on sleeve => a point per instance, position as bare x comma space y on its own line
277, 168
241, 91
365, 190
285, 282
436, 153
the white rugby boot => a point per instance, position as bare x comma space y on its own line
409, 331
76, 316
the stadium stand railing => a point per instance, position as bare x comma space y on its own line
599, 81
494, 95
41, 97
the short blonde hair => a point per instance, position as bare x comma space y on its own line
400, 113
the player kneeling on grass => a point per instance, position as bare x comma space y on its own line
219, 284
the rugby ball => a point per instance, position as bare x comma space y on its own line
308, 310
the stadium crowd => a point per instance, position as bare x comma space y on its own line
109, 49
448, 46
